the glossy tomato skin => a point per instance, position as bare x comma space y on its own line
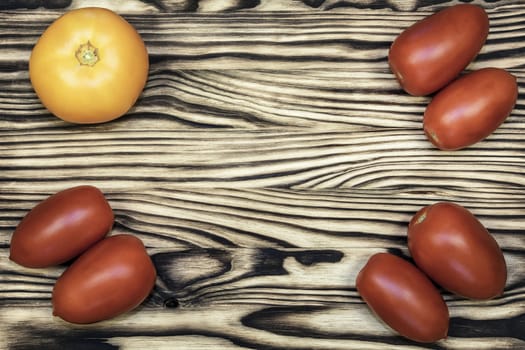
432, 52
111, 278
61, 227
89, 66
470, 108
403, 297
455, 250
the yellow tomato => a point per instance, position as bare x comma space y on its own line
89, 66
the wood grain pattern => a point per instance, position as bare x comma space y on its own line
154, 6
271, 153
254, 298
297, 159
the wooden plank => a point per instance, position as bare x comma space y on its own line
132, 6
351, 41
252, 298
248, 99
253, 159
305, 74
221, 218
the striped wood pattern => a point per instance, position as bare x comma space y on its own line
270, 155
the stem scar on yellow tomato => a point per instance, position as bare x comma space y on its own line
89, 66
87, 54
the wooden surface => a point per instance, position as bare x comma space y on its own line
271, 153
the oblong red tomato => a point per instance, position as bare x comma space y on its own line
432, 52
111, 278
455, 250
470, 108
403, 297
61, 227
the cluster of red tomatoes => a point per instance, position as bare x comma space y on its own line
428, 56
449, 246
108, 277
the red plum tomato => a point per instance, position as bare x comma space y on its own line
432, 52
470, 108
61, 227
455, 250
111, 278
403, 297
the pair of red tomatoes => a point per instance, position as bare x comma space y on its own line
450, 247
430, 54
111, 275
